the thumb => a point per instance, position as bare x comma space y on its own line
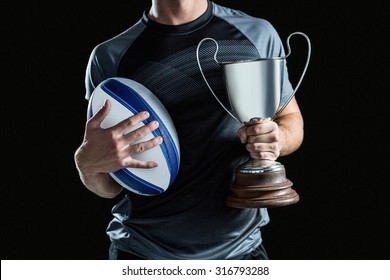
100, 115
242, 134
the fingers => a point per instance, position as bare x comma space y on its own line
263, 133
138, 148
140, 132
260, 131
261, 139
131, 122
134, 163
261, 128
269, 151
133, 133
129, 161
144, 146
115, 146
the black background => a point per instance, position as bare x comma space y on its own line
341, 171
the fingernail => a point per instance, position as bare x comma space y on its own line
154, 124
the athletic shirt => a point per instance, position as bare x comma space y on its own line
190, 220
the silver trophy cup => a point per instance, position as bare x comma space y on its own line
254, 91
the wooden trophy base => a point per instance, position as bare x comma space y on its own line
264, 187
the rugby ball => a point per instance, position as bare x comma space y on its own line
128, 98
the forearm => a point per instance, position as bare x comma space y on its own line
291, 132
102, 185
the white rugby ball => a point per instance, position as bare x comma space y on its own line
128, 98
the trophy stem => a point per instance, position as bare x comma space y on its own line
261, 184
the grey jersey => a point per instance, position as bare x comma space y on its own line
190, 220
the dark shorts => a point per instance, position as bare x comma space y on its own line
114, 254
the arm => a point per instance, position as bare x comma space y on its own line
107, 150
267, 139
291, 133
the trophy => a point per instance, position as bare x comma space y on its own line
254, 92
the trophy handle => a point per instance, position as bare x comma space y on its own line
204, 77
303, 72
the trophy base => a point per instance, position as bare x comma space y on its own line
261, 187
